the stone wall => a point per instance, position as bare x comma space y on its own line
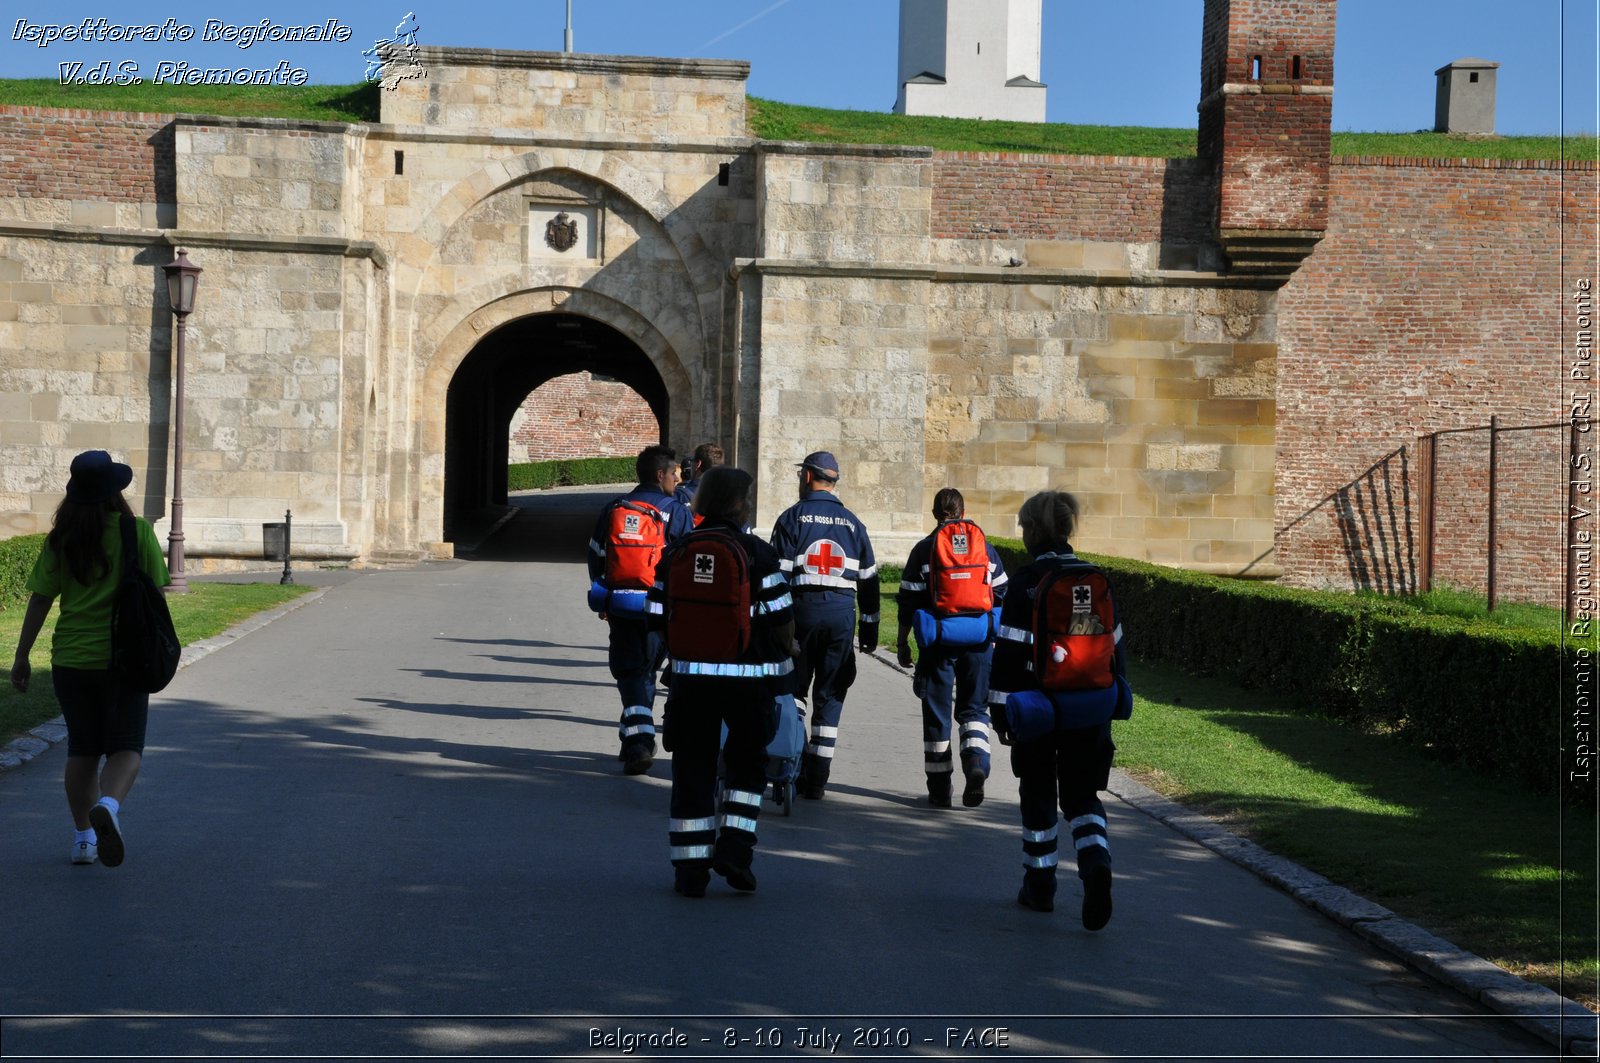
578, 416
572, 95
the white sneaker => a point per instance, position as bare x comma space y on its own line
104, 822
84, 852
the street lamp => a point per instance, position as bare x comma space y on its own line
183, 277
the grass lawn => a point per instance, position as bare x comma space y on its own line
1503, 873
208, 609
773, 120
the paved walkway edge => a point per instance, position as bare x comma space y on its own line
1566, 1024
21, 750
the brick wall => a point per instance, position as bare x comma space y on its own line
1437, 299
577, 416
48, 153
985, 195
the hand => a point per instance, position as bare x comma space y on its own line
603, 616
21, 672
869, 637
902, 654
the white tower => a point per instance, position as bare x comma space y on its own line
971, 59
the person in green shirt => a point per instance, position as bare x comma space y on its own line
81, 564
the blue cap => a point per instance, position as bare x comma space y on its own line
823, 464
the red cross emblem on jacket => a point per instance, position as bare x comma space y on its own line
825, 558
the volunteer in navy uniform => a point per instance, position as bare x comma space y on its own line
629, 537
707, 456
1059, 733
952, 581
724, 607
827, 556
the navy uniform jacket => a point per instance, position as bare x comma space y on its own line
914, 590
1013, 649
680, 522
768, 657
824, 547
685, 492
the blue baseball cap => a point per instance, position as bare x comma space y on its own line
822, 463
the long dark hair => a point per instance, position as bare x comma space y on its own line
77, 535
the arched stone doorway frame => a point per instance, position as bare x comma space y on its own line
674, 341
459, 342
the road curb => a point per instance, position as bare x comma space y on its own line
42, 738
1561, 1022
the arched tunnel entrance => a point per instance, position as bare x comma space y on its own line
500, 372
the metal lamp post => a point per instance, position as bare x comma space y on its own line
183, 277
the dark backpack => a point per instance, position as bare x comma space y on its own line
708, 599
1074, 627
958, 570
144, 646
636, 535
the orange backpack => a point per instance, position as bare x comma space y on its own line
1074, 628
635, 538
958, 570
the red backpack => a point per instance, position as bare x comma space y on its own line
1074, 630
958, 570
708, 599
635, 538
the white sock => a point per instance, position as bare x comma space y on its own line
81, 836
111, 803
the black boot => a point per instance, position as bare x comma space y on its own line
1096, 895
939, 790
1038, 889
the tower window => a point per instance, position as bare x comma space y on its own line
1255, 68
1473, 77
1294, 68
399, 163
722, 174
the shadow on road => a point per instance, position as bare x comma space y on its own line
549, 526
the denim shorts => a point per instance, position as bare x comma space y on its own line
103, 717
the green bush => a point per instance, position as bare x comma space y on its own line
1465, 690
568, 472
16, 561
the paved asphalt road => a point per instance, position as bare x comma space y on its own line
391, 823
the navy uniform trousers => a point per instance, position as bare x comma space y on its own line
696, 831
825, 625
964, 673
635, 654
1069, 767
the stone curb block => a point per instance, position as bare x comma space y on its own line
20, 751
1543, 1012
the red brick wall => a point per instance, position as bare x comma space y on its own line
984, 195
576, 416
1437, 299
47, 153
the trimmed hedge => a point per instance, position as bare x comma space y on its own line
568, 472
17, 557
1485, 696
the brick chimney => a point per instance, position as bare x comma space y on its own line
1266, 109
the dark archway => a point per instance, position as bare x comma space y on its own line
500, 372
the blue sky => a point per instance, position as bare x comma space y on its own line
1129, 63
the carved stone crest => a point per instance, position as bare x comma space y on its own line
561, 232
